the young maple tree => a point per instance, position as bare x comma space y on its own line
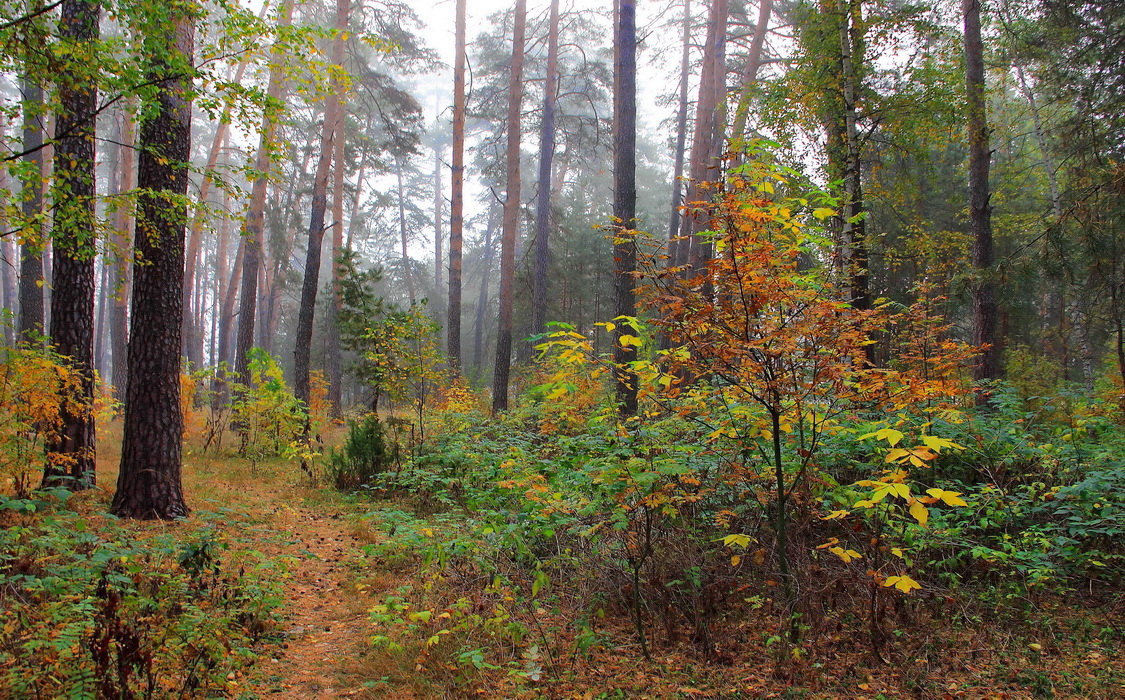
766, 352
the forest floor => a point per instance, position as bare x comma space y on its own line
323, 648
272, 509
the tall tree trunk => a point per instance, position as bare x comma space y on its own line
854, 230
193, 342
9, 256
149, 484
72, 461
750, 72
407, 273
546, 160
226, 326
980, 212
100, 319
121, 237
31, 249
457, 194
255, 212
439, 201
9, 260
511, 215
332, 129
625, 203
222, 283
333, 364
707, 141
681, 133
482, 294
219, 281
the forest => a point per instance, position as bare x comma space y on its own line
510, 349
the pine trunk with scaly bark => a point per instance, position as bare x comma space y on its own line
457, 194
625, 203
503, 367
331, 129
985, 313
71, 460
149, 483
253, 227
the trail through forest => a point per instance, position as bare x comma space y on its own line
325, 632
325, 629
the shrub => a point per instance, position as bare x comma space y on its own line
364, 456
269, 418
97, 613
34, 385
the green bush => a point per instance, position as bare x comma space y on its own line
366, 454
96, 613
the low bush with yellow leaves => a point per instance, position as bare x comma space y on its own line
34, 383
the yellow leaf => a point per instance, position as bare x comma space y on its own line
823, 213
903, 583
919, 511
742, 541
881, 492
829, 543
897, 455
901, 490
847, 555
864, 504
893, 437
836, 515
938, 444
627, 340
735, 560
897, 551
949, 498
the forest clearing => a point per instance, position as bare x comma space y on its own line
509, 349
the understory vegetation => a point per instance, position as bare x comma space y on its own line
95, 610
810, 497
555, 540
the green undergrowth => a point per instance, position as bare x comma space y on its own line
96, 608
542, 543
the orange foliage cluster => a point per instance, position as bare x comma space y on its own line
34, 385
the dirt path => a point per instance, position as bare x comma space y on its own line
326, 628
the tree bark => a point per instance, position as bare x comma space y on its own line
9, 256
149, 483
439, 201
854, 229
331, 130
121, 237
482, 294
707, 141
193, 342
333, 364
625, 203
503, 366
255, 212
750, 72
31, 320
681, 132
985, 312
457, 194
546, 160
72, 452
100, 319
